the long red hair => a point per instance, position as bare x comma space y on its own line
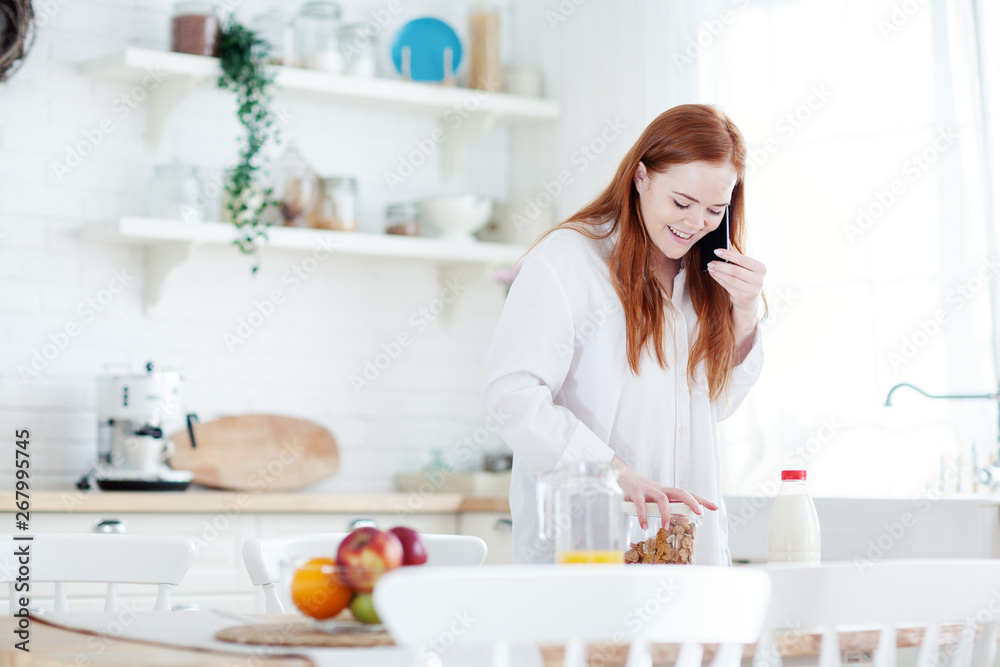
683, 134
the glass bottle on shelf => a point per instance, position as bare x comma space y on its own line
316, 29
195, 28
484, 49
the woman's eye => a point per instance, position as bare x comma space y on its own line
678, 205
715, 212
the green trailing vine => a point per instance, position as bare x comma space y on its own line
243, 55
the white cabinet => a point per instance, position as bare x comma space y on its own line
274, 525
494, 529
218, 578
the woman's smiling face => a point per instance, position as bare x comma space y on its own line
685, 202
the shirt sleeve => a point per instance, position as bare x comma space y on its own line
527, 364
744, 376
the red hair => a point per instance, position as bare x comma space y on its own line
683, 134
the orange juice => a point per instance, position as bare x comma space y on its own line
579, 556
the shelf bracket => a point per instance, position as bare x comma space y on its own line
456, 138
161, 259
162, 100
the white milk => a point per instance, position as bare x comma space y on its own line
793, 532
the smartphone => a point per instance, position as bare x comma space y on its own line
718, 238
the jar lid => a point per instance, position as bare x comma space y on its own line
792, 474
652, 509
321, 9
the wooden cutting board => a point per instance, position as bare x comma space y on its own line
257, 453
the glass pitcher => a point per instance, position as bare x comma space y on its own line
580, 513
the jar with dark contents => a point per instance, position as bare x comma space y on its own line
401, 219
195, 28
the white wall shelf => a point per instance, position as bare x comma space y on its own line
170, 243
170, 77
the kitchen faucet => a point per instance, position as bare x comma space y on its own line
989, 475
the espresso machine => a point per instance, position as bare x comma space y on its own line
132, 451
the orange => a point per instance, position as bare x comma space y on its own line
317, 590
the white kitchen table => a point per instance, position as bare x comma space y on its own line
51, 646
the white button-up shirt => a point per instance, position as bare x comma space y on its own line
557, 378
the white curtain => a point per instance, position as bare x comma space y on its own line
870, 202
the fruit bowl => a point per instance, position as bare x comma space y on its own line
324, 588
315, 588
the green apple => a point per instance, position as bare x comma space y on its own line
363, 609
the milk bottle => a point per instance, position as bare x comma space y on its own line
793, 532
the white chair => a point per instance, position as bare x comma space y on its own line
263, 556
819, 599
575, 604
111, 559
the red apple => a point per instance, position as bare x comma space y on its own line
414, 550
365, 555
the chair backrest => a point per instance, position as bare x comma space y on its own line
112, 559
575, 604
885, 596
263, 556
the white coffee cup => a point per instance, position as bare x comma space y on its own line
523, 80
142, 453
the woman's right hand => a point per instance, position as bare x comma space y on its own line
640, 490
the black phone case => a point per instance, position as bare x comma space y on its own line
718, 238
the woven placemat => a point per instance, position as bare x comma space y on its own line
304, 634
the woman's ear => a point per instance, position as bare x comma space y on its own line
641, 178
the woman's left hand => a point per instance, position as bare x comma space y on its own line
742, 277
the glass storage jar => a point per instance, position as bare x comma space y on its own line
295, 187
401, 219
579, 513
175, 193
316, 29
673, 545
358, 49
338, 205
195, 29
275, 27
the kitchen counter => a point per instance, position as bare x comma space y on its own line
207, 501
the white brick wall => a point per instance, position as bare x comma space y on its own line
300, 361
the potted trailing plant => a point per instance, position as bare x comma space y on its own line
243, 55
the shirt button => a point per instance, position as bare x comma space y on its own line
682, 430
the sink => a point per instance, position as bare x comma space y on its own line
867, 530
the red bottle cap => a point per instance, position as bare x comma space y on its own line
792, 474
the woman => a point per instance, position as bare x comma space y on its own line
614, 346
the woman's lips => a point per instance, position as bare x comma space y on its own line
680, 239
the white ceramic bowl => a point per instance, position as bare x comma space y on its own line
454, 217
